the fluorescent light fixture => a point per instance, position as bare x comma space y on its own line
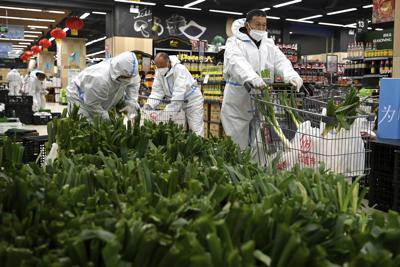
272, 17
194, 3
312, 17
37, 27
225, 12
22, 43
302, 21
350, 26
55, 11
96, 40
99, 13
66, 29
342, 11
33, 32
266, 9
136, 3
20, 46
290, 32
29, 19
21, 8
369, 28
31, 36
378, 29
330, 24
368, 6
96, 53
17, 40
288, 3
51, 39
84, 15
183, 7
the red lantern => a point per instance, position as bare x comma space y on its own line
45, 43
23, 57
28, 54
75, 24
58, 34
36, 49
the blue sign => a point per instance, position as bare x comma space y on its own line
13, 32
389, 109
5, 48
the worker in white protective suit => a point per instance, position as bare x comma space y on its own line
35, 88
15, 82
174, 81
100, 87
247, 54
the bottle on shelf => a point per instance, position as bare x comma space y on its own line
373, 70
382, 67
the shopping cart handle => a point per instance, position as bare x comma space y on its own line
248, 86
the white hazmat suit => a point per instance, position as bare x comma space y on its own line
15, 82
243, 62
35, 88
181, 88
99, 87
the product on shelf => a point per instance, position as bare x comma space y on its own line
290, 50
311, 72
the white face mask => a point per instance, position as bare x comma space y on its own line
163, 71
257, 34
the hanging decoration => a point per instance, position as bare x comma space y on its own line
29, 54
75, 24
58, 34
45, 44
24, 57
36, 49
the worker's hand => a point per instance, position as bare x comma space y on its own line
130, 109
258, 83
296, 82
147, 107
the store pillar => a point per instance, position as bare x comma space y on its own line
396, 48
71, 58
45, 62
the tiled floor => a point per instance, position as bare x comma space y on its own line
42, 129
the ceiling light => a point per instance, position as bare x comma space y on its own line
378, 29
37, 27
17, 40
266, 9
95, 41
183, 7
225, 12
353, 25
290, 32
21, 8
51, 39
84, 15
96, 53
288, 3
31, 36
99, 13
22, 43
302, 21
21, 46
368, 6
66, 29
136, 2
55, 11
272, 17
312, 17
29, 19
330, 24
342, 11
33, 32
369, 28
194, 3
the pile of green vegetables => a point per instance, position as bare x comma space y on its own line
155, 196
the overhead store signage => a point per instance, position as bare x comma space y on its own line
5, 48
383, 11
11, 31
382, 39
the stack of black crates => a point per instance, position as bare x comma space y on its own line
17, 106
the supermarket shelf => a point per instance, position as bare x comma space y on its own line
209, 101
353, 58
376, 58
375, 76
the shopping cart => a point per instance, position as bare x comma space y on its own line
162, 115
285, 136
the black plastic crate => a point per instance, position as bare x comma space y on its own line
24, 113
41, 119
20, 100
381, 190
18, 134
396, 180
34, 148
56, 115
4, 96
